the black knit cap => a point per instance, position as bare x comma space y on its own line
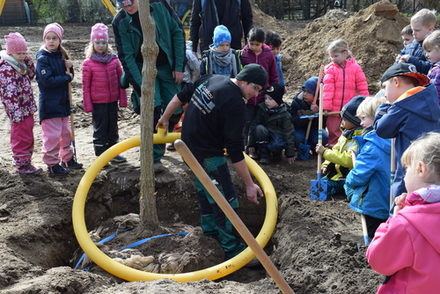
276, 92
253, 73
348, 112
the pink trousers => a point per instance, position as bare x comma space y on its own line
22, 141
57, 139
333, 126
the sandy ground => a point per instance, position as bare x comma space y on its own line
316, 245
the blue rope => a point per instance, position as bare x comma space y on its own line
137, 243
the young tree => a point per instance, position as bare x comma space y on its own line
148, 211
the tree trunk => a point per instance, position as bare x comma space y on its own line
147, 201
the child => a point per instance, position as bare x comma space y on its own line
272, 131
258, 52
414, 110
273, 40
338, 161
16, 72
406, 247
54, 73
422, 24
367, 185
101, 73
302, 105
431, 45
407, 35
220, 58
343, 80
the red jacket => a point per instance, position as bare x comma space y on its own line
267, 60
100, 82
342, 84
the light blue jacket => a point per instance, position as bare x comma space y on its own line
367, 186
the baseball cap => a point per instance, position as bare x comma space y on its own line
404, 69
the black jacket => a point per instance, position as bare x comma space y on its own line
237, 17
214, 119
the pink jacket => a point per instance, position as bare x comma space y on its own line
100, 82
407, 247
342, 84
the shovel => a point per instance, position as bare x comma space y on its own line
304, 148
318, 187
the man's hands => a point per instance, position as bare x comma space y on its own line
404, 58
252, 192
163, 123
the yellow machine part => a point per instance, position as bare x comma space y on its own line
2, 4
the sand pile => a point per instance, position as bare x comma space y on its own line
373, 35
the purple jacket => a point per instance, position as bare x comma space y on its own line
267, 60
434, 76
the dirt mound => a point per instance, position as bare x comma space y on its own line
373, 35
266, 21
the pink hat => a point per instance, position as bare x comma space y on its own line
55, 28
15, 43
99, 32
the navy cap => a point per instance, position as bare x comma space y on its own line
404, 69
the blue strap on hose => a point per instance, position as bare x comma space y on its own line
137, 243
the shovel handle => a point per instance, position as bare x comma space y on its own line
232, 216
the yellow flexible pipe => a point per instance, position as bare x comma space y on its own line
130, 274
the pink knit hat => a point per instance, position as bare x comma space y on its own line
55, 28
15, 43
99, 32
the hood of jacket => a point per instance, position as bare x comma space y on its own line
423, 104
381, 143
424, 218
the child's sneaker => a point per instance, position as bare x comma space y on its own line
72, 163
58, 170
28, 170
118, 159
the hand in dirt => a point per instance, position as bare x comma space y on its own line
252, 192
399, 201
404, 58
314, 108
290, 160
178, 76
319, 149
163, 124
68, 64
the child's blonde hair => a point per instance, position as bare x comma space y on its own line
369, 106
425, 17
338, 45
432, 41
90, 50
425, 149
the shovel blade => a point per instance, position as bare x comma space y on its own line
318, 190
304, 151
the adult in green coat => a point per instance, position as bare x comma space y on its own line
170, 61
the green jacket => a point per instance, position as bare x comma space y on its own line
277, 121
170, 37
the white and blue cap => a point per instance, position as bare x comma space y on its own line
221, 35
123, 3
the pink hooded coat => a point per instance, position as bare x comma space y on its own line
101, 83
342, 84
407, 247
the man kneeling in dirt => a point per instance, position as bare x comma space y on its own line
214, 120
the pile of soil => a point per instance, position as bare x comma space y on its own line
373, 35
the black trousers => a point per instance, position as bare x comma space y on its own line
105, 126
372, 225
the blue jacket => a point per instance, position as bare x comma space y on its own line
367, 185
406, 120
417, 58
53, 84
